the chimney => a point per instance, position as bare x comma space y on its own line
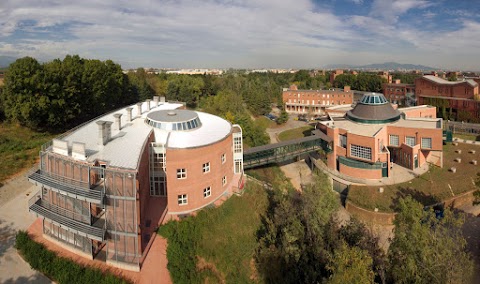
346, 89
148, 104
139, 109
129, 113
102, 137
397, 81
108, 130
155, 100
118, 121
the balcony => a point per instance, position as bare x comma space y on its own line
65, 218
75, 189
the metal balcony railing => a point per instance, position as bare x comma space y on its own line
67, 219
76, 189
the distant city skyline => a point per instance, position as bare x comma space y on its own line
246, 33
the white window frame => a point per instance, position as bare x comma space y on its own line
181, 173
182, 199
361, 152
408, 140
206, 167
207, 192
224, 158
224, 180
392, 138
237, 144
425, 144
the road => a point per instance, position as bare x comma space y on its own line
14, 216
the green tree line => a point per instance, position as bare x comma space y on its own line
361, 82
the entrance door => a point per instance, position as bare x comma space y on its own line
415, 161
384, 170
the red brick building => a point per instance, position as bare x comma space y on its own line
455, 97
314, 101
334, 74
372, 135
399, 93
106, 185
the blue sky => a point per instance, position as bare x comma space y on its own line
245, 33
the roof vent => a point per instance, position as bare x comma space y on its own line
171, 113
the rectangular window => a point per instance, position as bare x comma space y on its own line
224, 180
207, 192
427, 143
181, 173
224, 158
206, 167
342, 140
394, 140
237, 144
410, 141
182, 199
361, 152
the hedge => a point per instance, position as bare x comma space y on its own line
59, 269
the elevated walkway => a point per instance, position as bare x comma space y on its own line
286, 150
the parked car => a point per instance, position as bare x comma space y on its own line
271, 117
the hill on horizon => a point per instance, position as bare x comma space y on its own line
6, 60
383, 66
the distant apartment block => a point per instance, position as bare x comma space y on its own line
334, 74
314, 101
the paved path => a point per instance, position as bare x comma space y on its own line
14, 216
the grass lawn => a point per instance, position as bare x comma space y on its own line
225, 237
265, 122
228, 234
296, 133
19, 148
467, 136
434, 186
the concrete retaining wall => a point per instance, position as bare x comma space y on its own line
380, 218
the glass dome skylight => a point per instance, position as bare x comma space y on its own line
373, 99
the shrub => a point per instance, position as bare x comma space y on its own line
59, 269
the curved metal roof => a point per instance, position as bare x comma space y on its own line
373, 108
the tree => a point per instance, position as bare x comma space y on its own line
343, 80
292, 247
283, 117
59, 94
426, 249
350, 265
453, 77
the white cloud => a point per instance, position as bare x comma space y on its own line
216, 33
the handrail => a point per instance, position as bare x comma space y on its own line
69, 188
64, 212
64, 179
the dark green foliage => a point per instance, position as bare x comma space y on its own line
60, 94
343, 80
302, 243
182, 250
426, 249
185, 88
368, 82
406, 78
361, 82
230, 106
140, 88
283, 117
59, 269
